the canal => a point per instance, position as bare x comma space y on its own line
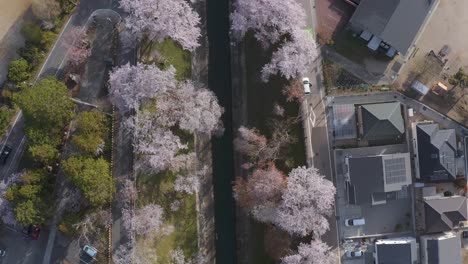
219, 79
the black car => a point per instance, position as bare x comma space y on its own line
5, 154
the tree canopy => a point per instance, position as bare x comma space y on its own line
47, 104
18, 71
92, 177
90, 131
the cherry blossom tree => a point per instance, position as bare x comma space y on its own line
308, 198
250, 142
262, 189
129, 253
155, 145
294, 90
268, 19
316, 252
159, 19
148, 219
192, 109
190, 183
129, 85
294, 58
186, 162
127, 194
92, 224
77, 44
7, 214
257, 148
178, 257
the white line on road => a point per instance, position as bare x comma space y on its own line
18, 151
53, 47
9, 132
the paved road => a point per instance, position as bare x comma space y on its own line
20, 249
317, 143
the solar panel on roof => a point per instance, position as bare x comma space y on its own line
395, 170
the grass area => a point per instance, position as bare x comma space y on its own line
159, 189
350, 45
170, 53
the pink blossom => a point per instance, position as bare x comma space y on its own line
268, 19
308, 198
316, 252
159, 19
294, 58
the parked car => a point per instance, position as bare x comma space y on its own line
355, 222
354, 253
5, 154
90, 251
306, 83
35, 231
2, 253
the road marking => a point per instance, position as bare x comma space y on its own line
53, 48
11, 130
310, 133
16, 154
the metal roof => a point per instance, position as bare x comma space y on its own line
443, 249
373, 178
397, 22
394, 253
444, 213
436, 152
382, 121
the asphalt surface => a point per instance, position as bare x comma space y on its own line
317, 141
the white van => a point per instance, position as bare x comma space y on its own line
355, 222
307, 84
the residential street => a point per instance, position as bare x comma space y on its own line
316, 128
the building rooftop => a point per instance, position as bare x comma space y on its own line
444, 213
373, 179
436, 153
382, 121
397, 22
396, 251
441, 248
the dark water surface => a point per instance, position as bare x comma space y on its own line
223, 166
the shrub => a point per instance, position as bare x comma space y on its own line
18, 71
44, 153
32, 32
30, 53
6, 115
48, 38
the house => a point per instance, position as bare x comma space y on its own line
401, 250
441, 248
392, 24
382, 121
377, 179
444, 214
436, 153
